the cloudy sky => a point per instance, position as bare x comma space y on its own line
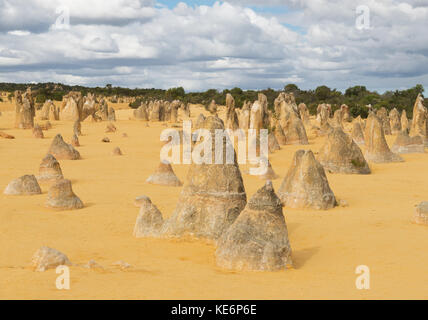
216, 44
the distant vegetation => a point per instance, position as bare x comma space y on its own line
355, 97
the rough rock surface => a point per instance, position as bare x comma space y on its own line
377, 149
340, 154
24, 110
50, 169
258, 239
273, 144
357, 133
270, 173
404, 121
48, 258
75, 141
306, 184
165, 176
419, 122
149, 221
25, 185
406, 144
395, 121
61, 196
294, 130
117, 152
232, 121
77, 128
421, 215
63, 151
212, 197
37, 132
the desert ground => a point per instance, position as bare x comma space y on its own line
375, 229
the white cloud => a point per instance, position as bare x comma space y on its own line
136, 43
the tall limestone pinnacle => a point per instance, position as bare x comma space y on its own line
212, 197
340, 154
258, 239
306, 184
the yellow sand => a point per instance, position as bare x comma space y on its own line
375, 230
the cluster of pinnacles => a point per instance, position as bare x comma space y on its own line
253, 235
249, 235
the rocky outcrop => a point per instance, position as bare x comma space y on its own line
149, 221
306, 184
258, 239
165, 176
377, 149
62, 197
63, 151
406, 144
421, 214
26, 185
47, 258
50, 169
212, 197
340, 154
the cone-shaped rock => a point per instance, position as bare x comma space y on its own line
294, 130
382, 114
48, 258
77, 128
244, 116
117, 152
141, 113
212, 197
406, 144
199, 121
421, 215
337, 119
279, 134
340, 154
111, 128
273, 144
62, 150
24, 110
149, 221
232, 121
304, 114
75, 141
270, 173
404, 121
25, 185
50, 169
394, 118
377, 149
37, 132
346, 116
419, 122
61, 196
357, 133
306, 184
71, 110
165, 176
258, 239
212, 107
323, 115
111, 114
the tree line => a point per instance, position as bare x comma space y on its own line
357, 97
